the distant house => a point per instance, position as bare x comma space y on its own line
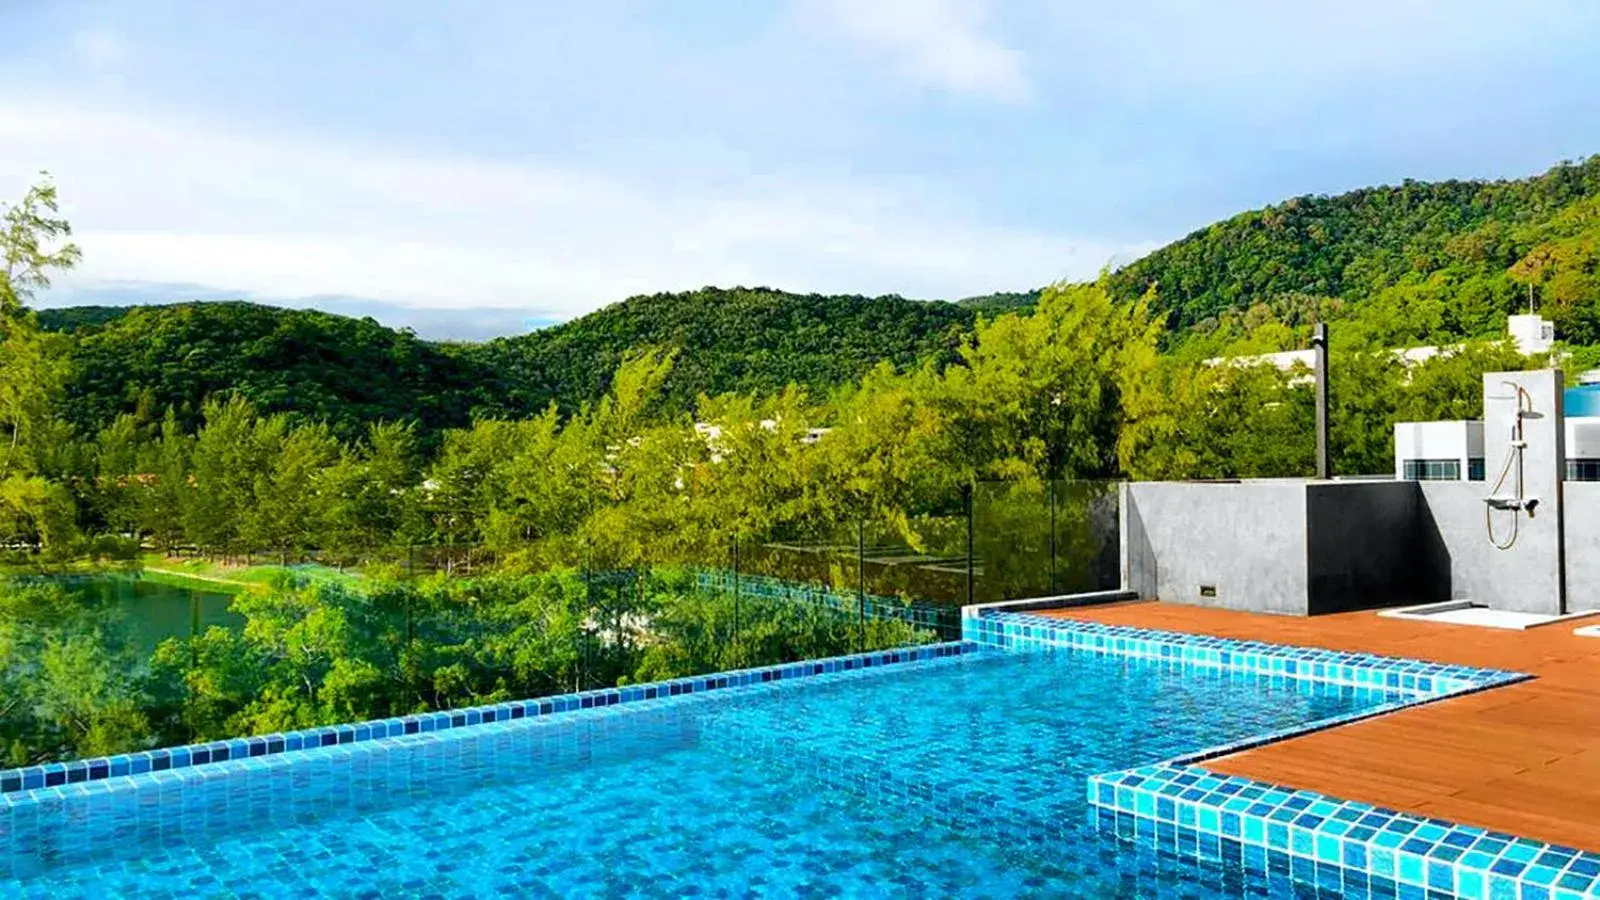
1530, 333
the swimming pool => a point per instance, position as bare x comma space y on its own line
962, 769
1036, 758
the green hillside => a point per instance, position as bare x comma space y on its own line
1414, 263
1471, 247
739, 339
73, 319
351, 371
344, 371
1000, 302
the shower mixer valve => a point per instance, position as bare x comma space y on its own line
1526, 504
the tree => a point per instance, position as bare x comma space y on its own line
1187, 419
32, 373
288, 503
69, 684
369, 495
1042, 391
30, 229
224, 462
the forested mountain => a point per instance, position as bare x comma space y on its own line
1478, 238
340, 370
736, 340
1420, 262
351, 371
1000, 302
72, 319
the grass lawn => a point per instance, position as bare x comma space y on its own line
157, 567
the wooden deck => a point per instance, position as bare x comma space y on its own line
1523, 759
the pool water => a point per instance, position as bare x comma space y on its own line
959, 777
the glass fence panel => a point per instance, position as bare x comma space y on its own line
1087, 529
1041, 539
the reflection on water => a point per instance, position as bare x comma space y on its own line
151, 612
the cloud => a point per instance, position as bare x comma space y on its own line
280, 215
939, 43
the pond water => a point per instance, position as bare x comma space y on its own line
152, 611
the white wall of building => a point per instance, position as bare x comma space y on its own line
1463, 441
1531, 333
1583, 437
1460, 441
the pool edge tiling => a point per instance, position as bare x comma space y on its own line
1253, 818
72, 774
1232, 817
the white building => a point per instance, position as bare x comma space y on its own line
1453, 451
1583, 448
1438, 451
1530, 333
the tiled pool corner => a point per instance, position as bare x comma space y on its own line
1240, 820
1021, 631
1197, 812
67, 775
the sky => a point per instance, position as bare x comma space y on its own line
484, 167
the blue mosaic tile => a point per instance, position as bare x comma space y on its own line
1415, 852
1020, 631
56, 776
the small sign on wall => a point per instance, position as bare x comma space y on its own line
1208, 590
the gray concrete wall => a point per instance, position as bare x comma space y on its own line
1456, 509
1369, 545
1583, 545
1523, 578
1314, 547
1137, 556
1527, 576
1246, 540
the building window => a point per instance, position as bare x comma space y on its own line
1474, 468
1432, 469
1583, 470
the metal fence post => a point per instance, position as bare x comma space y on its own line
1053, 586
861, 585
736, 585
194, 627
966, 496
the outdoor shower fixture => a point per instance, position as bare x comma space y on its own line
1517, 501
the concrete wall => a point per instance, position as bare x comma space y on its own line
1528, 575
1246, 540
1583, 545
1369, 545
1138, 559
1293, 547
1308, 547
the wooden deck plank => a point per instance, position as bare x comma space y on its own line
1523, 759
